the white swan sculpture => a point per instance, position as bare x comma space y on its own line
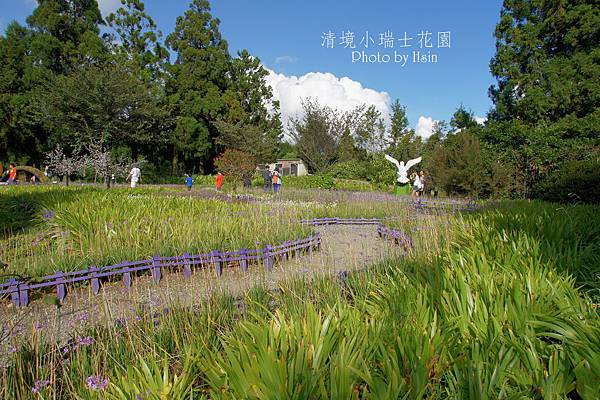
403, 168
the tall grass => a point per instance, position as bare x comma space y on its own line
70, 230
487, 313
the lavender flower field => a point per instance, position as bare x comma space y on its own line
500, 302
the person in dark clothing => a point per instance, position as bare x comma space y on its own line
267, 176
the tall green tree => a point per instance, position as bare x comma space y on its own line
198, 81
462, 119
399, 123
61, 36
65, 34
370, 132
347, 150
547, 98
105, 104
252, 121
139, 39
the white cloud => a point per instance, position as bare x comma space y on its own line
286, 60
108, 6
424, 126
341, 93
480, 120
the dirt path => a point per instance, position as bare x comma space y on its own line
343, 248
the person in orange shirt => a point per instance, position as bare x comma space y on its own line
12, 174
276, 180
219, 181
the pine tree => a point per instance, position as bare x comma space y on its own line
199, 79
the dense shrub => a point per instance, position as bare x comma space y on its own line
577, 181
309, 182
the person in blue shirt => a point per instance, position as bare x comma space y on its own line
189, 182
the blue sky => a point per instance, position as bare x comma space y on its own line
287, 37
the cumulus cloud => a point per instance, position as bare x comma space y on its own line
342, 93
108, 6
425, 126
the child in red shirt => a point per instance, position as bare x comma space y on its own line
219, 181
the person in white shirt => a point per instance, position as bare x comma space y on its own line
135, 174
417, 185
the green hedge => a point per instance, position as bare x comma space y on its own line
575, 182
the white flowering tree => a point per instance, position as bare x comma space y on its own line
62, 165
101, 160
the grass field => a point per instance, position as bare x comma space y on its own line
501, 303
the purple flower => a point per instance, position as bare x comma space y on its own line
48, 214
40, 325
96, 382
12, 350
82, 317
39, 385
86, 341
109, 225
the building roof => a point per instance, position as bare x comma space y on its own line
290, 159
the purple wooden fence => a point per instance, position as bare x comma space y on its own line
19, 290
384, 232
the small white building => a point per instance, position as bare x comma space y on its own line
290, 167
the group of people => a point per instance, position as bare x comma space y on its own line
12, 175
271, 179
419, 183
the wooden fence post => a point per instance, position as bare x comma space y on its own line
309, 249
126, 276
216, 259
187, 269
95, 280
243, 260
61, 287
14, 296
156, 273
268, 258
23, 294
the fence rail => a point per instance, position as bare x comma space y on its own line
19, 289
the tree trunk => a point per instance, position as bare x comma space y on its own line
106, 179
175, 161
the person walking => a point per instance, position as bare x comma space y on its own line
276, 181
189, 182
135, 175
423, 183
12, 174
219, 181
416, 186
267, 178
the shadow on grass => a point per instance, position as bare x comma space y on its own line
22, 208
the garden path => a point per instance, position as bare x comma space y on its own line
344, 247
